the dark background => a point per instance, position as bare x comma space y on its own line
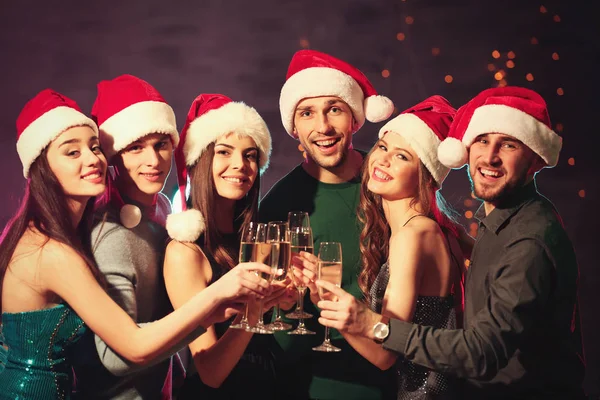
242, 48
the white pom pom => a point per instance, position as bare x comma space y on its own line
378, 108
186, 226
452, 153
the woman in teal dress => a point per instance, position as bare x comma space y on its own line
50, 288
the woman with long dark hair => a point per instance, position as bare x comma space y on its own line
224, 147
412, 260
50, 287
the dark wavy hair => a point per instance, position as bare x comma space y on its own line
203, 195
375, 233
44, 206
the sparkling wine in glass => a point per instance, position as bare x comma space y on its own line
330, 270
267, 253
250, 234
278, 235
301, 240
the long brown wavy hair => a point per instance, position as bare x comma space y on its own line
44, 206
375, 233
203, 197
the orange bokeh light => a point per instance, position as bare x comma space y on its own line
543, 10
448, 78
409, 20
510, 64
491, 67
559, 127
511, 54
534, 40
469, 214
556, 18
435, 51
560, 91
529, 77
581, 193
400, 36
496, 54
385, 73
555, 56
498, 76
571, 161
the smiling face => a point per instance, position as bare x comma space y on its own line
393, 168
144, 166
234, 166
78, 163
499, 164
324, 126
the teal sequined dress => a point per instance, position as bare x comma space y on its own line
37, 359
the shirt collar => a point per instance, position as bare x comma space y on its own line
509, 207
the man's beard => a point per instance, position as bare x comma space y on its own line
328, 162
497, 192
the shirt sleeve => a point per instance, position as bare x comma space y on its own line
518, 294
114, 259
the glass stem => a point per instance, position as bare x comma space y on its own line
277, 313
327, 334
301, 305
260, 314
245, 317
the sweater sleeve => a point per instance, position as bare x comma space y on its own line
516, 301
114, 258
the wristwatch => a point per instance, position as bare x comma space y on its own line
381, 330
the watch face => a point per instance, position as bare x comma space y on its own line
381, 331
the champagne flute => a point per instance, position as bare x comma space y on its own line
297, 219
300, 240
266, 252
330, 270
278, 235
250, 234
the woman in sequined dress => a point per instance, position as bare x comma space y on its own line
50, 288
412, 259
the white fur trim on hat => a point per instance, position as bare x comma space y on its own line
45, 129
317, 82
233, 117
423, 141
136, 121
185, 226
500, 118
378, 108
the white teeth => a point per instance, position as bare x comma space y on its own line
488, 172
92, 176
326, 142
234, 180
382, 175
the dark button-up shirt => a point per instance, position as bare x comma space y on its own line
521, 338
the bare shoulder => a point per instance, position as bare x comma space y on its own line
184, 250
186, 260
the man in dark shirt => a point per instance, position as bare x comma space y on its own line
521, 337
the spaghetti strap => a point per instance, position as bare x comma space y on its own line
416, 215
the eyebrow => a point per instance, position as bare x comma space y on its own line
76, 140
397, 148
233, 147
328, 102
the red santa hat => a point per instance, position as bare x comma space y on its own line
210, 117
514, 111
424, 126
315, 74
128, 108
42, 119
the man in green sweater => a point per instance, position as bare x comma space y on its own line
323, 103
